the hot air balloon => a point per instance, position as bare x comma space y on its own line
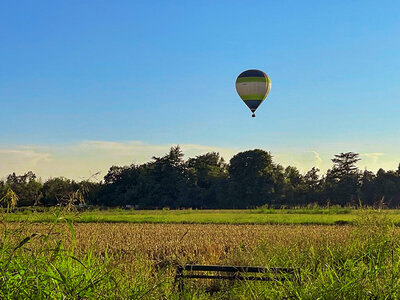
253, 87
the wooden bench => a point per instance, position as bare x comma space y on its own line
235, 273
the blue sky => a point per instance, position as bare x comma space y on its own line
158, 73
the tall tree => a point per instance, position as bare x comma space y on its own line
168, 178
387, 188
57, 189
345, 164
27, 188
343, 180
312, 186
208, 175
294, 186
123, 186
254, 179
368, 188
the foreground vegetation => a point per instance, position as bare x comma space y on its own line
137, 261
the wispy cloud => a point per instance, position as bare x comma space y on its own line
21, 160
81, 160
373, 160
318, 159
374, 155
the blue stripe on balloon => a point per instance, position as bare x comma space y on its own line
252, 73
253, 104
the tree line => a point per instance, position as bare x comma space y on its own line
250, 179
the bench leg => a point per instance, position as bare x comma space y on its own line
179, 278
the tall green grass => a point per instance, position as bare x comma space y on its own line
365, 266
41, 266
37, 266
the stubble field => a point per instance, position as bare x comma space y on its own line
138, 261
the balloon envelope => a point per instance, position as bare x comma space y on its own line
253, 87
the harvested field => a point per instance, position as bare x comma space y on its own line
135, 260
194, 243
200, 243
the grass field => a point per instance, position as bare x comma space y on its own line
314, 216
72, 260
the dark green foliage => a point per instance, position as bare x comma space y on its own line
55, 190
387, 188
28, 189
342, 182
294, 187
159, 183
254, 180
167, 177
207, 177
250, 179
312, 187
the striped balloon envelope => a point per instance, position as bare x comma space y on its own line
253, 87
